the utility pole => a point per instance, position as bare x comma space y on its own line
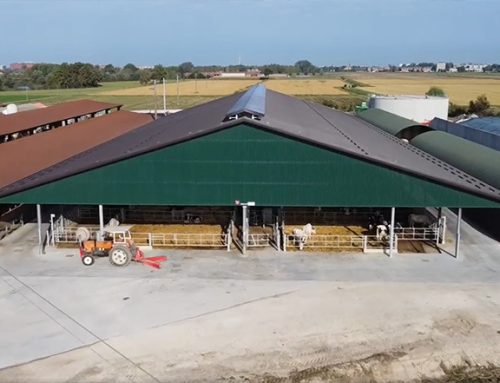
156, 100
195, 83
177, 90
164, 97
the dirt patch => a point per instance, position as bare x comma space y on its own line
468, 373
366, 371
359, 371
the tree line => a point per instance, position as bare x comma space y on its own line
85, 75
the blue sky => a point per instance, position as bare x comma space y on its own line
326, 32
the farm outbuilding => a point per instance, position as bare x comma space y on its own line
481, 161
484, 131
22, 158
391, 123
29, 122
258, 148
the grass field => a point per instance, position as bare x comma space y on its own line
460, 88
227, 87
54, 96
188, 88
312, 87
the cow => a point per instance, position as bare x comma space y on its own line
302, 235
419, 220
382, 232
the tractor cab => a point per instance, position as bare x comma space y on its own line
117, 234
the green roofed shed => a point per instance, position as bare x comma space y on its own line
391, 123
478, 160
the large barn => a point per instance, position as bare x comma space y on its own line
261, 147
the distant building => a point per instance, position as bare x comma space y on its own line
453, 70
253, 73
229, 75
20, 66
441, 67
250, 73
474, 67
278, 75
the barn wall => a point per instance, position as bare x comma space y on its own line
247, 164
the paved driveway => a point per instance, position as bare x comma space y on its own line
211, 314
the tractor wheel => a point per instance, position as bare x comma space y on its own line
88, 260
120, 256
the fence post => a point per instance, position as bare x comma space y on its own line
391, 231
228, 237
150, 239
443, 230
365, 243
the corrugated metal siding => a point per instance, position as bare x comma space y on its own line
490, 139
247, 163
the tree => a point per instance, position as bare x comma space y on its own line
131, 67
305, 67
435, 91
186, 67
267, 71
455, 110
159, 72
77, 75
480, 105
145, 76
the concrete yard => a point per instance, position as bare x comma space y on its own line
214, 316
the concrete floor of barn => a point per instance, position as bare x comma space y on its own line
215, 316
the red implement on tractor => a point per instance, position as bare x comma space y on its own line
118, 246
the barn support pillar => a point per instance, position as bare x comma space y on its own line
277, 232
283, 231
391, 231
245, 227
39, 222
458, 234
101, 219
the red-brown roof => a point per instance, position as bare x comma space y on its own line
21, 121
24, 157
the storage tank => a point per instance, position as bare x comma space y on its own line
421, 109
10, 109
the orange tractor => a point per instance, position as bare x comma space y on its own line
117, 245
